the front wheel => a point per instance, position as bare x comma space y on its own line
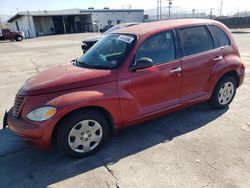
223, 93
19, 38
82, 133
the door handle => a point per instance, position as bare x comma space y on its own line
217, 58
175, 70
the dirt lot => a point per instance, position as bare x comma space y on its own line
196, 147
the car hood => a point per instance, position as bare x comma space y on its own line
64, 77
93, 39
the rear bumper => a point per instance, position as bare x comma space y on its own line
33, 133
241, 74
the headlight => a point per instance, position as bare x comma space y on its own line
42, 113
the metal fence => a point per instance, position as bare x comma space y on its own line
235, 22
232, 20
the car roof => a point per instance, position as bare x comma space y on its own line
119, 26
151, 27
129, 23
125, 25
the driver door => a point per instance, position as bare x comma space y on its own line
153, 89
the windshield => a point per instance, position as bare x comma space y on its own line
107, 53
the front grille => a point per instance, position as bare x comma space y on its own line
19, 100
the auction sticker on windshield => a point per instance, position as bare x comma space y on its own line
125, 38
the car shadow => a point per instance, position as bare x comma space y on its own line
27, 166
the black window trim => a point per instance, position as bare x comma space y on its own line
182, 54
215, 38
176, 47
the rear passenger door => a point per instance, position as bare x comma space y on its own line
199, 56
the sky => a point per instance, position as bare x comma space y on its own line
11, 7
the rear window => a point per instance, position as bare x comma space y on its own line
220, 36
195, 40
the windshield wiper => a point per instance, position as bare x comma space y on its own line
83, 64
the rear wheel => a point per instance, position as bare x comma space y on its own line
82, 133
223, 93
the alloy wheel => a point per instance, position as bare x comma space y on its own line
85, 136
226, 93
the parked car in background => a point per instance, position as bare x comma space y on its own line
89, 42
6, 34
129, 76
105, 28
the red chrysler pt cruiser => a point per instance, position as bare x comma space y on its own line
129, 76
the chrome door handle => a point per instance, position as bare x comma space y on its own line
217, 58
174, 70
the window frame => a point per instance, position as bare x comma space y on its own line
181, 43
175, 41
215, 38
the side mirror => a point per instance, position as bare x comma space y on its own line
142, 63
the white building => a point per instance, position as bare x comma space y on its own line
38, 23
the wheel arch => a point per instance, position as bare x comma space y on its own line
18, 36
235, 75
112, 127
232, 73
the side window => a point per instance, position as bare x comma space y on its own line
220, 35
160, 48
195, 40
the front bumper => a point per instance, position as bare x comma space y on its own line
33, 133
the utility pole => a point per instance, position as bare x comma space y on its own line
157, 9
1, 24
193, 11
169, 8
160, 8
211, 13
221, 5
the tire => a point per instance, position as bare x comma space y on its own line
81, 140
19, 38
223, 93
